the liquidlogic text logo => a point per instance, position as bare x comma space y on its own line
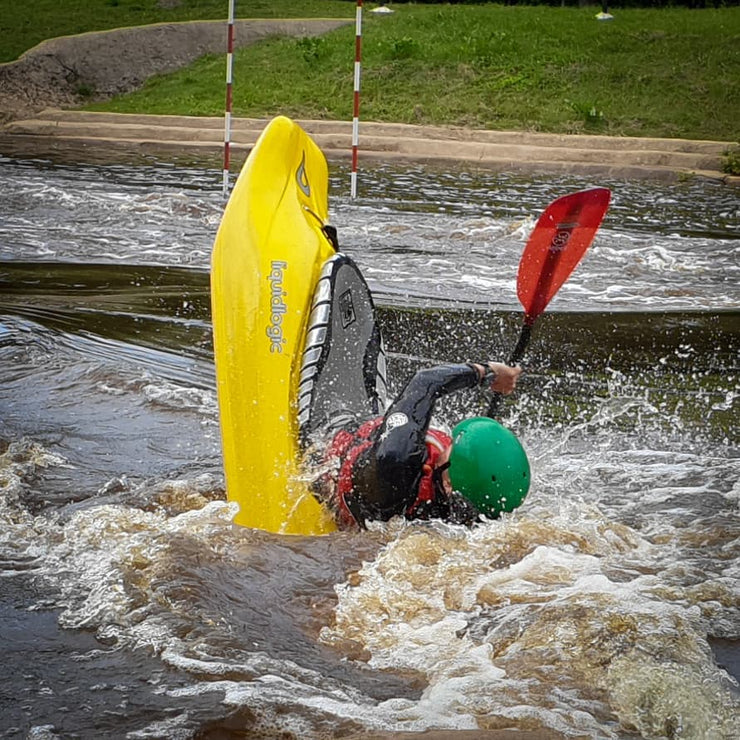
278, 308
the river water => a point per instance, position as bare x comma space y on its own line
608, 606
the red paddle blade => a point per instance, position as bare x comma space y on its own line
560, 239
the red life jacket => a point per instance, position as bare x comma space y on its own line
347, 447
436, 442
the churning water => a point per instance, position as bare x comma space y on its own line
608, 606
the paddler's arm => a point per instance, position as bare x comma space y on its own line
416, 401
400, 450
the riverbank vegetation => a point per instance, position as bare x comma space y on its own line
669, 72
23, 25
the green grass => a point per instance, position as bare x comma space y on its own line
25, 24
669, 72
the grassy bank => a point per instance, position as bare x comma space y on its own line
24, 24
668, 72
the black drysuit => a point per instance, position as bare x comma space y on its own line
386, 476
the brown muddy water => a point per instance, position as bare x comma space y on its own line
608, 606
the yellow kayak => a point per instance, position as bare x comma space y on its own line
267, 259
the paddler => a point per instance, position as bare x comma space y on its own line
398, 465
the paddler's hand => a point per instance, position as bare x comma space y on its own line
504, 376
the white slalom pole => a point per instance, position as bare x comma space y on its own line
229, 81
356, 107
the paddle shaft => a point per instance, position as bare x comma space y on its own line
516, 355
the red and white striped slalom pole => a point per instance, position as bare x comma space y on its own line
356, 107
229, 81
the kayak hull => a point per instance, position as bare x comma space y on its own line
267, 259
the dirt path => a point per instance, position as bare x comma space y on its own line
60, 73
66, 71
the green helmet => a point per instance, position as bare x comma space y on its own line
488, 466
